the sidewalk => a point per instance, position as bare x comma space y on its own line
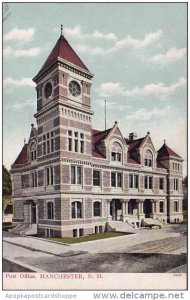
118, 244
36, 244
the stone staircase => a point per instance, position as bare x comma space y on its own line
25, 229
19, 228
31, 230
120, 226
150, 222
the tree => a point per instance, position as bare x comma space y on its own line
7, 184
185, 192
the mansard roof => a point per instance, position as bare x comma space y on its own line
165, 151
22, 157
63, 50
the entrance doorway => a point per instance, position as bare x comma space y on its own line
147, 207
116, 209
33, 213
133, 207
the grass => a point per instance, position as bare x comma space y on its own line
92, 237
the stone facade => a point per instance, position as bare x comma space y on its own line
72, 180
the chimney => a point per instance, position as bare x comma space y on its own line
132, 136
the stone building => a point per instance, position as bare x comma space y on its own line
72, 180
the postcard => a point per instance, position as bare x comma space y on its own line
95, 147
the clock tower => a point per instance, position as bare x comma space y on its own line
63, 103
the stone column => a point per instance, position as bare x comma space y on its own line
108, 209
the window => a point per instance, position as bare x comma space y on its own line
76, 210
96, 178
49, 176
133, 181
50, 210
76, 175
81, 231
116, 179
175, 166
161, 183
75, 141
176, 184
96, 209
74, 232
48, 144
34, 179
176, 206
148, 180
116, 151
148, 158
161, 206
33, 152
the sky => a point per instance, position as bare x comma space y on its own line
136, 51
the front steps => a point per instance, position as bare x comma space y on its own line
150, 222
25, 229
120, 226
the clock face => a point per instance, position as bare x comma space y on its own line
48, 90
74, 88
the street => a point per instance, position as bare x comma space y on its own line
149, 251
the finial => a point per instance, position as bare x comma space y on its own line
24, 141
116, 122
32, 125
61, 29
148, 132
164, 142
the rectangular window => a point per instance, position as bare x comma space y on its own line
70, 144
96, 178
74, 233
161, 183
81, 146
176, 184
34, 179
119, 180
81, 231
76, 142
49, 176
48, 147
116, 179
76, 175
176, 206
148, 182
116, 156
52, 145
44, 148
76, 145
133, 181
113, 179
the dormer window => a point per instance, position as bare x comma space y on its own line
33, 152
148, 159
116, 151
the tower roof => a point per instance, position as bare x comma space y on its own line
63, 50
165, 151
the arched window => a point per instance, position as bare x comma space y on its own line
76, 208
161, 206
116, 152
50, 210
33, 152
148, 158
96, 209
